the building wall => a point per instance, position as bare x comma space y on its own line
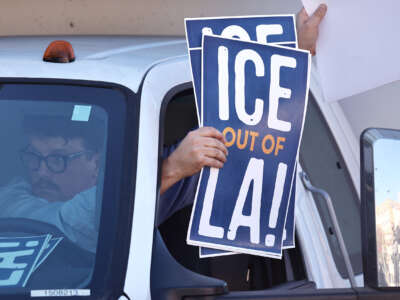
143, 17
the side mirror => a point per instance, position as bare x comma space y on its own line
380, 207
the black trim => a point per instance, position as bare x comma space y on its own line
368, 222
179, 89
295, 294
110, 285
171, 281
368, 210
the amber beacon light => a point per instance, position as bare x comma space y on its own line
59, 52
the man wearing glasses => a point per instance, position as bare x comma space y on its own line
62, 162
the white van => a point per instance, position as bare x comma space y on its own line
139, 89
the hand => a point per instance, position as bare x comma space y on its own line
307, 28
200, 148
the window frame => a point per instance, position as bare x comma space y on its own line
178, 272
320, 204
180, 88
108, 276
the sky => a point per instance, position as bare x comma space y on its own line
387, 170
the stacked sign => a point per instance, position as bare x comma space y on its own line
21, 256
251, 83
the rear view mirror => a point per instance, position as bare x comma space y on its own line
380, 207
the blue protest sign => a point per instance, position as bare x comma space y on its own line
18, 257
205, 252
288, 233
275, 29
242, 207
264, 29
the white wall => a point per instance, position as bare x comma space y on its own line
377, 108
155, 17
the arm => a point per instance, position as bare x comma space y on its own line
75, 217
180, 169
307, 28
200, 148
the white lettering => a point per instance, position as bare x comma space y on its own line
263, 31
206, 30
60, 293
233, 31
223, 83
242, 57
276, 91
278, 192
205, 228
254, 173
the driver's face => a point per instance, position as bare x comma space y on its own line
80, 173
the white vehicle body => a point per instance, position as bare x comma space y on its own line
154, 66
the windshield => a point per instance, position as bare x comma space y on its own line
53, 165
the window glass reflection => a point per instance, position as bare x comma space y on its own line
387, 210
50, 192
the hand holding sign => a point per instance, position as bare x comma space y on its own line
308, 27
200, 148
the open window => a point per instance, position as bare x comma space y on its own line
240, 272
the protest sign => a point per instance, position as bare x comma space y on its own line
264, 29
278, 29
246, 211
288, 233
205, 252
345, 65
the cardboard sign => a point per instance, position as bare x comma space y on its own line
256, 95
288, 233
347, 68
205, 252
279, 30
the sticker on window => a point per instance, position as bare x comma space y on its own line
51, 245
21, 256
81, 113
60, 293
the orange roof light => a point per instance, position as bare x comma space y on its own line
59, 52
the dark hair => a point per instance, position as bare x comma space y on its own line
92, 132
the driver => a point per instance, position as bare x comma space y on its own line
62, 163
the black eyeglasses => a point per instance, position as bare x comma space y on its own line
56, 163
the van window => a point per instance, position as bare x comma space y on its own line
57, 141
320, 158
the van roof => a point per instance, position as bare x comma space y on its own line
118, 59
